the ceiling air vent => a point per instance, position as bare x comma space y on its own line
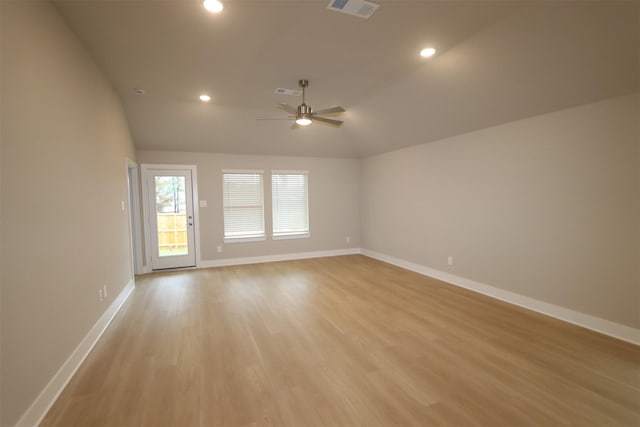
292, 92
361, 8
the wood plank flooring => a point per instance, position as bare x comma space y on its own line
342, 341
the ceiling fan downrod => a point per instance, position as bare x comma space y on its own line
303, 84
304, 111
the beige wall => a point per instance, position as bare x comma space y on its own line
333, 201
547, 207
64, 234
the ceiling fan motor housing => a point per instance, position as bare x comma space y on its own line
303, 109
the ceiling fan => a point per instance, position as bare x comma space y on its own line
304, 115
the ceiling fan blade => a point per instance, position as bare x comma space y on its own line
288, 108
275, 118
324, 120
332, 110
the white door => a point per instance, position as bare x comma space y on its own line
169, 200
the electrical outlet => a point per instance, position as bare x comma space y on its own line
348, 239
450, 260
122, 205
104, 291
100, 294
219, 249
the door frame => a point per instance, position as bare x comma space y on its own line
133, 201
144, 167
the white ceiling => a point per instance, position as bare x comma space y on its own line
496, 62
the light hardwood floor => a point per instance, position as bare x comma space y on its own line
342, 341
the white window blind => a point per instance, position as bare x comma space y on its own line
243, 204
290, 203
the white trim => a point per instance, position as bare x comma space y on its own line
146, 221
149, 166
289, 172
47, 397
288, 236
241, 171
134, 215
279, 257
241, 239
196, 210
603, 326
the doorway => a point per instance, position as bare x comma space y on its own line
168, 195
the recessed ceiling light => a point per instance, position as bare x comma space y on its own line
214, 6
427, 52
205, 98
139, 91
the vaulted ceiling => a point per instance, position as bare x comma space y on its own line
496, 62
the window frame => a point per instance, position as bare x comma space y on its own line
240, 239
290, 235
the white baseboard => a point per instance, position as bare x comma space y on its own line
47, 397
278, 257
224, 262
603, 326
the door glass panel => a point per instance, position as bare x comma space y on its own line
171, 215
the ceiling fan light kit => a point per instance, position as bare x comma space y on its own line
304, 120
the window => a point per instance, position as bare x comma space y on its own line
243, 205
290, 203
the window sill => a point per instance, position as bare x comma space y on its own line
291, 236
244, 239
